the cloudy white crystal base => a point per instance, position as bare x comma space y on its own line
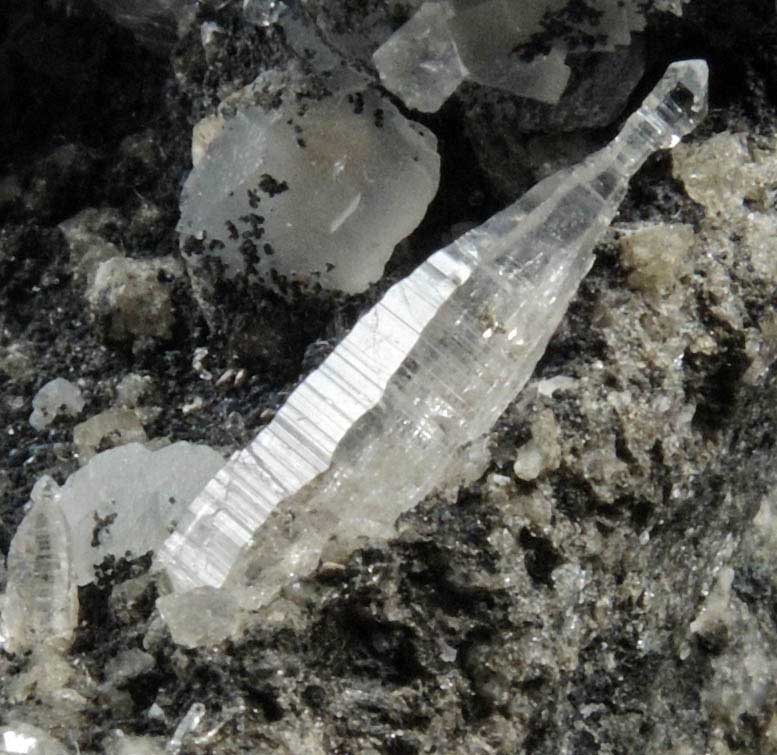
429, 369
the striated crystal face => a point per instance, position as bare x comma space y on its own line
427, 370
41, 602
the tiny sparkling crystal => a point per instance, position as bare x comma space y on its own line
427, 370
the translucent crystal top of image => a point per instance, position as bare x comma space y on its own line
519, 47
427, 370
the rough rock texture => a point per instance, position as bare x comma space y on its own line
133, 298
622, 602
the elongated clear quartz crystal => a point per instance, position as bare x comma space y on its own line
426, 370
41, 602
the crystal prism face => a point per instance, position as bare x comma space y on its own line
680, 100
427, 370
423, 62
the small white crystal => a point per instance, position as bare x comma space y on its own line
57, 397
549, 386
420, 62
131, 390
187, 725
210, 32
542, 452
528, 463
204, 616
107, 429
23, 739
316, 191
127, 499
127, 665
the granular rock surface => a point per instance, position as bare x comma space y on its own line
606, 586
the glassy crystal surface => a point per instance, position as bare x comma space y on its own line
41, 605
317, 191
517, 47
427, 370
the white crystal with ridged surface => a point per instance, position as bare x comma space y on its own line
41, 603
427, 370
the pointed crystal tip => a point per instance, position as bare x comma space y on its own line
680, 99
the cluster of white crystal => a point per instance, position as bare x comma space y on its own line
124, 502
426, 370
317, 190
490, 42
55, 398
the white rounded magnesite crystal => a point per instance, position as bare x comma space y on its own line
58, 396
316, 191
128, 499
